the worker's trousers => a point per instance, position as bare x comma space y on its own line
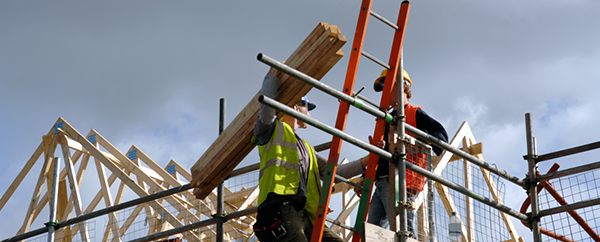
378, 209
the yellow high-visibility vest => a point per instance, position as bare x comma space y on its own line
280, 168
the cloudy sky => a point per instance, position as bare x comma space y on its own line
151, 73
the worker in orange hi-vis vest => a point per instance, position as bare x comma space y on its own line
416, 117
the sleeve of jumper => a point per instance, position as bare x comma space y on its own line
270, 88
347, 170
431, 126
263, 129
350, 169
322, 163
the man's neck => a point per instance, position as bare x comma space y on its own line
291, 122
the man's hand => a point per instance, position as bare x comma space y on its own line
380, 144
364, 161
357, 190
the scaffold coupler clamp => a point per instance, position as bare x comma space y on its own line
532, 219
529, 182
407, 234
221, 216
407, 139
51, 224
408, 204
397, 119
396, 158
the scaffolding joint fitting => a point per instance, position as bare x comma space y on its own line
409, 205
399, 118
531, 219
407, 139
397, 156
51, 224
529, 182
407, 234
220, 215
534, 157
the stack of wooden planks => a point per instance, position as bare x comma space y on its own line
317, 54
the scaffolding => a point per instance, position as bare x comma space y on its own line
165, 208
240, 207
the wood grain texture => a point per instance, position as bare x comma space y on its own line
315, 56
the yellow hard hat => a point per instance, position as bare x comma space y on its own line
378, 85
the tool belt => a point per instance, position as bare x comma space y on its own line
269, 225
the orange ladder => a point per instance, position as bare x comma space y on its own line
393, 67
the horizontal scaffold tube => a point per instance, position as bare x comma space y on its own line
196, 225
435, 141
388, 156
327, 89
569, 207
385, 116
104, 211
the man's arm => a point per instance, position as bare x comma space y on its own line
349, 169
267, 115
432, 127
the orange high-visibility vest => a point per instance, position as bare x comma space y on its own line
413, 180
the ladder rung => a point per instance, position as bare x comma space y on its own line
342, 225
385, 21
370, 57
368, 101
341, 178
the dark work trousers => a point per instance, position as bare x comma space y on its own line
299, 228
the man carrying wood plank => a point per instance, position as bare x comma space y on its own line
289, 179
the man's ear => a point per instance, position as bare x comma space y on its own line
296, 107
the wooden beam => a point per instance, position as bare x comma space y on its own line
73, 184
29, 216
450, 206
32, 160
470, 223
105, 189
317, 54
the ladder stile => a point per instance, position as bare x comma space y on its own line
336, 143
342, 117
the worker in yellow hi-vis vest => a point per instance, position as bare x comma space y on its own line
290, 171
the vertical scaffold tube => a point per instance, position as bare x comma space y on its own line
535, 220
53, 200
220, 215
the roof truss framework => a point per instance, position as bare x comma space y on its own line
130, 172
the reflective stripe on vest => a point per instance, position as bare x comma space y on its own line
280, 168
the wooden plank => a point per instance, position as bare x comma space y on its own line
374, 233
31, 212
496, 195
423, 222
32, 160
105, 189
73, 184
450, 206
476, 149
347, 209
140, 174
233, 145
80, 174
470, 223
